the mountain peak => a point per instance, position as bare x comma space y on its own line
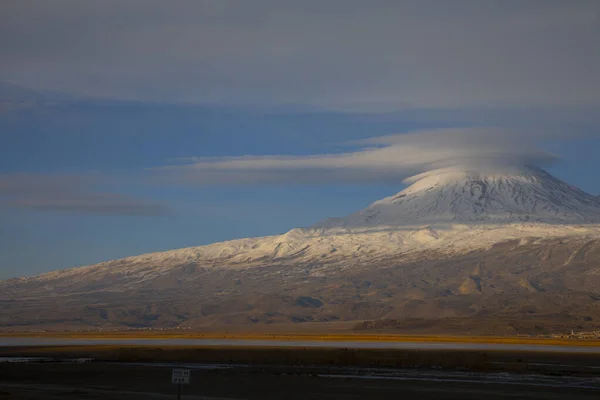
482, 195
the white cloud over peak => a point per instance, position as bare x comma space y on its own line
385, 159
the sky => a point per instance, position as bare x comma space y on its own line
135, 126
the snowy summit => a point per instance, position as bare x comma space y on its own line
478, 196
456, 242
451, 210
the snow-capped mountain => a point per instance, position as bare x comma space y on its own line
449, 210
479, 196
450, 221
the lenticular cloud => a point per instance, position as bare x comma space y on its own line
388, 158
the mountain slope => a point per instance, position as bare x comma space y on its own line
463, 195
457, 244
511, 287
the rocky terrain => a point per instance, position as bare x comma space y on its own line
501, 252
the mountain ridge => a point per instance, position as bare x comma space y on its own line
397, 265
406, 230
467, 195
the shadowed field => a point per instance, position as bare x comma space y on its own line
135, 372
130, 381
495, 360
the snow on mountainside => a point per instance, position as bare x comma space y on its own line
474, 245
463, 195
451, 210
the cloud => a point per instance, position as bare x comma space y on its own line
381, 55
14, 98
69, 193
381, 159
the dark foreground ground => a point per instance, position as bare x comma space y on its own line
136, 382
144, 373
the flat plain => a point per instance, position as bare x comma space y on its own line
117, 371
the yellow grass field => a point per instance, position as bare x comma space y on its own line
337, 337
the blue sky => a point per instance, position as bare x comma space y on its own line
129, 129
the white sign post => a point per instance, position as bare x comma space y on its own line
180, 377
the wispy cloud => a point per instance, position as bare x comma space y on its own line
69, 193
381, 159
379, 55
